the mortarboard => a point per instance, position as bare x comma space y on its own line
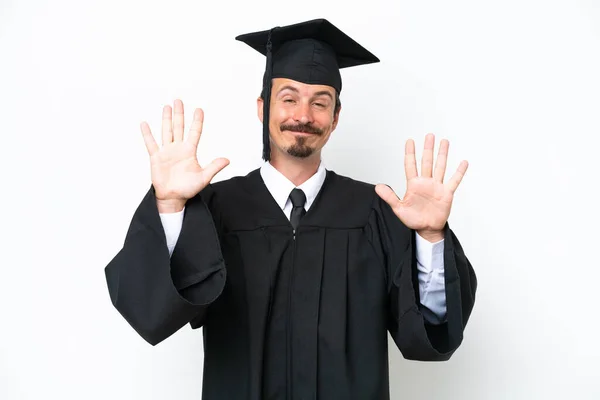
310, 52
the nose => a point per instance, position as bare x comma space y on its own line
303, 114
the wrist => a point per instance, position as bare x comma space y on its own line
169, 206
431, 236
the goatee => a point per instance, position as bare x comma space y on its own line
299, 149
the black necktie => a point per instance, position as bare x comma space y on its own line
298, 199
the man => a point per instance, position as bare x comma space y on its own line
295, 273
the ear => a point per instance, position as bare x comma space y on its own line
259, 110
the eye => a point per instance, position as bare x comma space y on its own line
289, 101
320, 105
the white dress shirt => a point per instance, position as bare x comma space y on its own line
430, 256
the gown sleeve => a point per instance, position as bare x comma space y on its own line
157, 294
416, 338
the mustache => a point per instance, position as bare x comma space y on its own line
303, 128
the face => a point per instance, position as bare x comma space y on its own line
301, 117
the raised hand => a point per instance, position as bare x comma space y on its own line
175, 172
426, 204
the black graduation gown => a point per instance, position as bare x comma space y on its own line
284, 316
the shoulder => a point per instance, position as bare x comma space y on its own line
361, 199
343, 203
234, 185
361, 192
231, 188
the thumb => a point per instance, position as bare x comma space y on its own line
214, 168
388, 195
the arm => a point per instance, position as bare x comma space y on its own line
415, 336
158, 294
432, 286
424, 208
157, 289
172, 223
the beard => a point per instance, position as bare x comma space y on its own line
300, 149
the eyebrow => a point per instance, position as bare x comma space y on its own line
293, 89
288, 87
323, 93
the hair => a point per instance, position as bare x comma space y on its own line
338, 103
336, 108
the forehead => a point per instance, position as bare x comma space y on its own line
281, 84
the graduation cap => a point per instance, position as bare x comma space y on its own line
310, 52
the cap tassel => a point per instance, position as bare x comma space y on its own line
267, 99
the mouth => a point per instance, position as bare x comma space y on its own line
296, 133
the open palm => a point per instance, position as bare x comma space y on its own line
427, 202
175, 171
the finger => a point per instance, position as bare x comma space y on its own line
427, 160
196, 127
458, 176
148, 139
178, 121
214, 168
388, 195
410, 162
440, 163
167, 127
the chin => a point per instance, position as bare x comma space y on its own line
300, 153
300, 150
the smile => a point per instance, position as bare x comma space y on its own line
296, 133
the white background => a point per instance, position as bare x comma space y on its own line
513, 84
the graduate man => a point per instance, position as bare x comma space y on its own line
295, 273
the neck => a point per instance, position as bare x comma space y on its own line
297, 170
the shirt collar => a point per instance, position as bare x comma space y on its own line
280, 187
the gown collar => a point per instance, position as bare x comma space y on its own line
280, 187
